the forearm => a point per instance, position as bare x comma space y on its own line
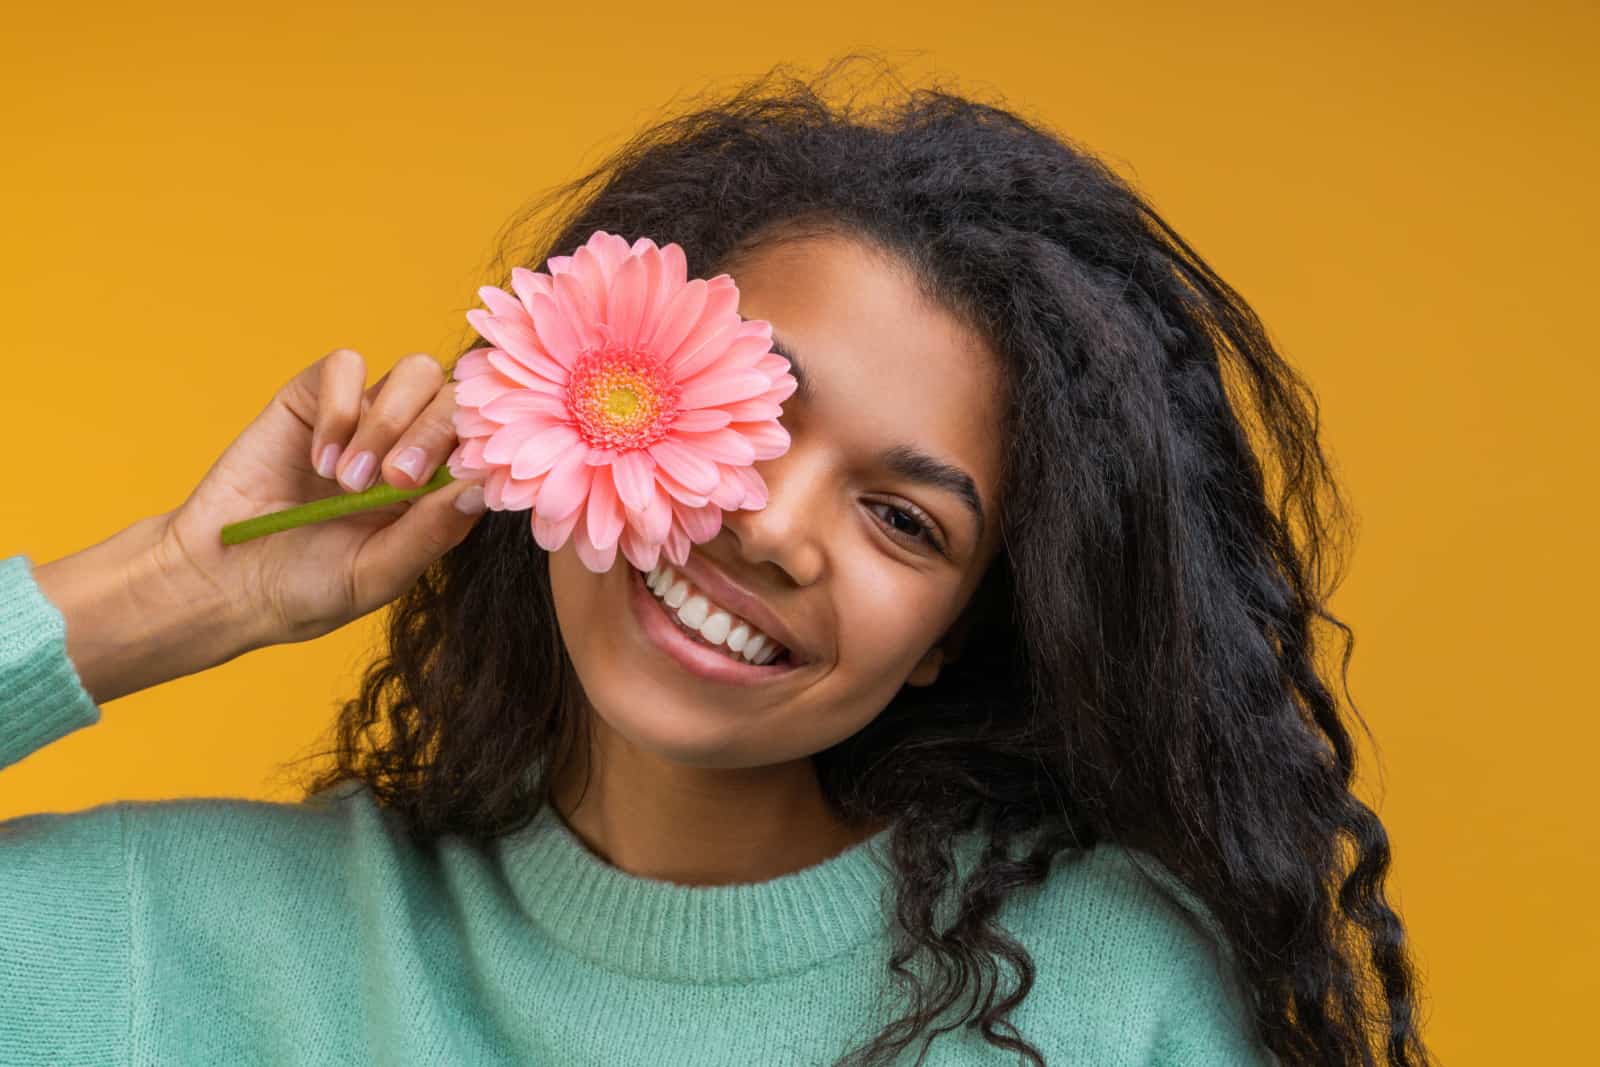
132, 620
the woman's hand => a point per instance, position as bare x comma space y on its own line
298, 584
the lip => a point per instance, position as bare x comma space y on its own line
741, 601
697, 659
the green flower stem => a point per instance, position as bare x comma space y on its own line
330, 508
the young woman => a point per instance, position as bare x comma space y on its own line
1046, 769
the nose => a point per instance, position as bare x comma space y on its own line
789, 530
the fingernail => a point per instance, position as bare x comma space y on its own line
411, 461
470, 502
358, 473
328, 460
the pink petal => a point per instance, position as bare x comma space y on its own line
478, 391
773, 364
719, 312
650, 309
696, 472
770, 439
470, 423
596, 559
635, 475
678, 317
701, 419
641, 551
655, 519
517, 339
723, 446
471, 454
711, 389
604, 520
554, 331
729, 493
678, 491
539, 453
701, 524
501, 445
745, 351
552, 535
501, 303
559, 265
755, 495
519, 371
612, 251
641, 246
627, 302
565, 487
525, 283
758, 409
592, 276
781, 391
575, 305
494, 485
677, 545
524, 402
600, 457
471, 365
519, 494
674, 271
709, 355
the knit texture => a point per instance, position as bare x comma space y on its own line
204, 931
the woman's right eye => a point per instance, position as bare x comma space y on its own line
921, 531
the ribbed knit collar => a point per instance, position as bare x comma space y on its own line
703, 934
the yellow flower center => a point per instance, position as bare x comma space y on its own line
621, 398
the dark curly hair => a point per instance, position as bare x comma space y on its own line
1139, 664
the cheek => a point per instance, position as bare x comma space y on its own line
888, 616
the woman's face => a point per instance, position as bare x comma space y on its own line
835, 553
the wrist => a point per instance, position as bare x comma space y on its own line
136, 615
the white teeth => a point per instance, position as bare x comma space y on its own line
694, 611
716, 627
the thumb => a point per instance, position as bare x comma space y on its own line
395, 557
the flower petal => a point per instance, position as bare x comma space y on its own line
565, 487
555, 333
723, 446
586, 268
701, 524
503, 444
626, 306
674, 269
642, 552
552, 535
755, 488
604, 520
573, 300
655, 519
478, 391
711, 389
494, 485
519, 372
709, 356
524, 402
471, 365
722, 300
518, 340
525, 283
757, 409
701, 419
677, 491
678, 317
539, 453
770, 439
501, 303
677, 545
729, 493
519, 494
595, 558
634, 473
697, 473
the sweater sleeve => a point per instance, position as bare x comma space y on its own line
64, 916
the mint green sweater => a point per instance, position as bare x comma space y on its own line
212, 931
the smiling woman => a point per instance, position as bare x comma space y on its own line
997, 731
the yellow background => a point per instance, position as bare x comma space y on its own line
199, 201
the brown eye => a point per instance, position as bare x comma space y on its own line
910, 524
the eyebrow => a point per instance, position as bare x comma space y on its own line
904, 460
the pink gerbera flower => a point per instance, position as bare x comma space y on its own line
622, 403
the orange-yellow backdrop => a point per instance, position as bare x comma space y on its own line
199, 201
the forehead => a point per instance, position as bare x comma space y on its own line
886, 364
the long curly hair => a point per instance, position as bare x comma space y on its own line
1140, 664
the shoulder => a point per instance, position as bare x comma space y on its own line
1113, 932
